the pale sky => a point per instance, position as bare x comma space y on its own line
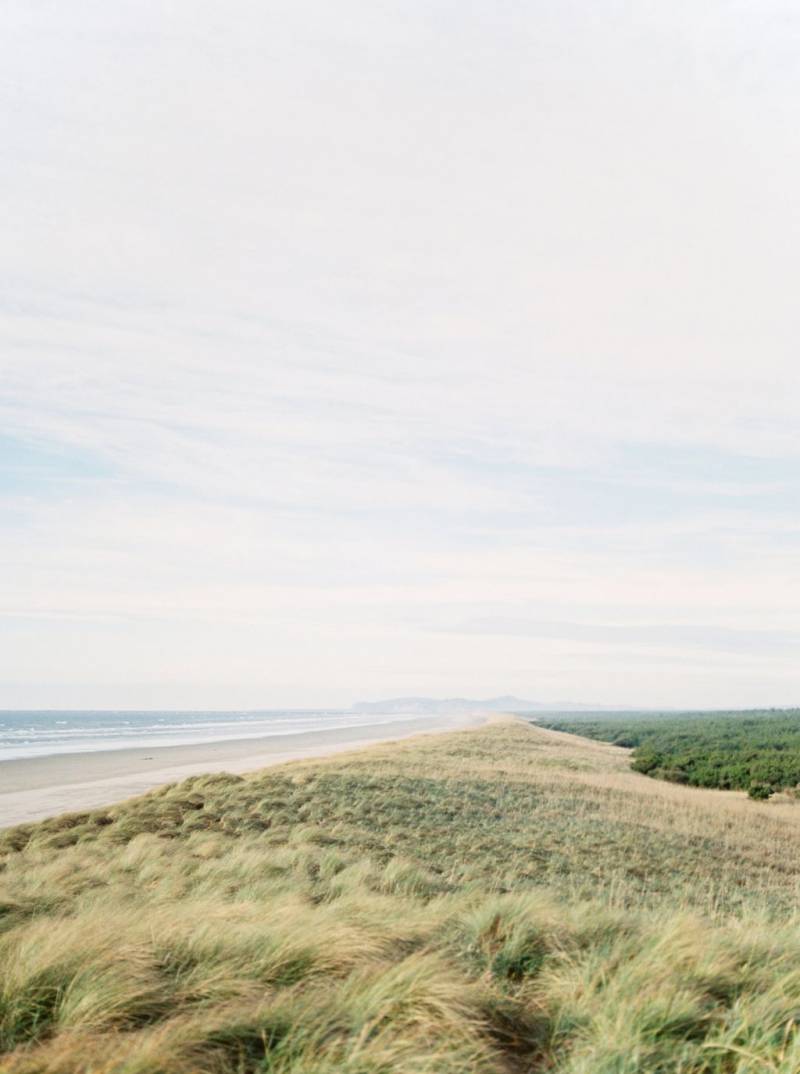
361, 349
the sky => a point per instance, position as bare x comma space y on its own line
382, 348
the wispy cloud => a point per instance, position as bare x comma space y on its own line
353, 352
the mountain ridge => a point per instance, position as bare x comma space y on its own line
459, 705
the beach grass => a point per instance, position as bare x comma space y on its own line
502, 900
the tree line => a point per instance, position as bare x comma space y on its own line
754, 751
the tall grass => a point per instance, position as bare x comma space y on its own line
493, 901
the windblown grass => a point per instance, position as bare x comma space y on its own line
495, 901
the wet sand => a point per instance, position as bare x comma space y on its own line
32, 788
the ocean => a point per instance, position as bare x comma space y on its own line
41, 734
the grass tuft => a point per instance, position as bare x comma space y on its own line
496, 901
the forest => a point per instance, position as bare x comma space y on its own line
757, 751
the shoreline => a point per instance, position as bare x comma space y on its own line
33, 788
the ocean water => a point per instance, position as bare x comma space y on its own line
39, 734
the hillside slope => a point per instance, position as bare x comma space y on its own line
497, 900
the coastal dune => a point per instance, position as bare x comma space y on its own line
32, 788
498, 900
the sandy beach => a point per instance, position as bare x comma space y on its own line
38, 787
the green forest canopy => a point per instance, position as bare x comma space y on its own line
756, 751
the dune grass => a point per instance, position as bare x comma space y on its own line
501, 900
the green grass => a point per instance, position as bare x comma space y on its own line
496, 901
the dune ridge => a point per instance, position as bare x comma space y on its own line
498, 900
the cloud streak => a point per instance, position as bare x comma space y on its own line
398, 349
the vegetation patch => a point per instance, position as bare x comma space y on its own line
758, 752
432, 907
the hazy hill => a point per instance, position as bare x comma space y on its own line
459, 705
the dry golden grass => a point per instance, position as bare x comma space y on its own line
503, 900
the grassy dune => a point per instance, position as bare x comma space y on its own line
503, 900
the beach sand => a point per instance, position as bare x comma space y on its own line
32, 788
